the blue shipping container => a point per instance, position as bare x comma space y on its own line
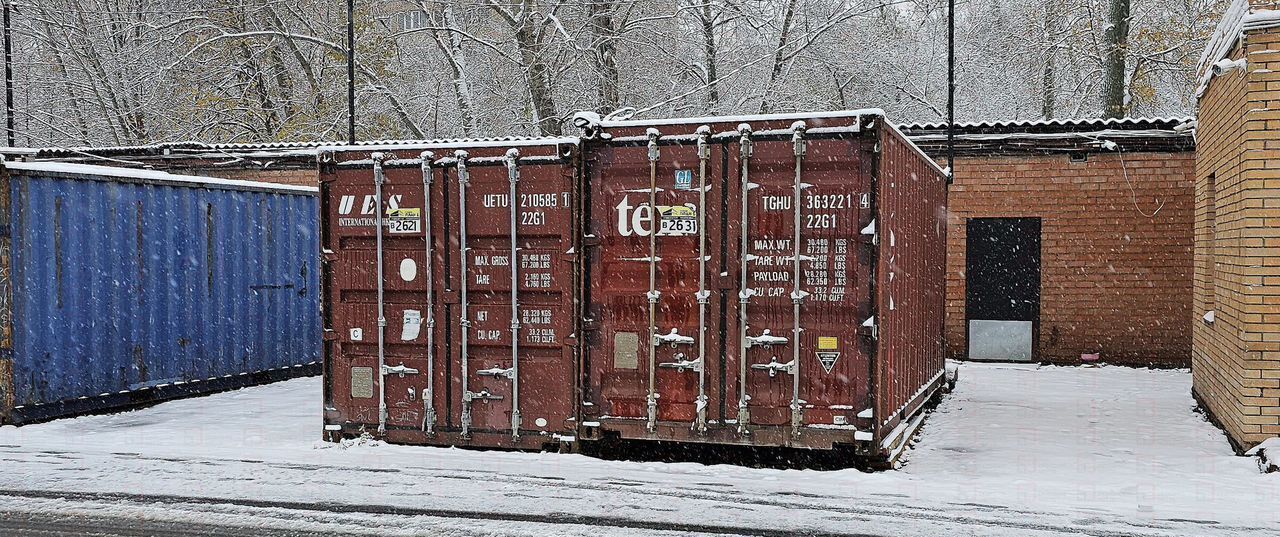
120, 286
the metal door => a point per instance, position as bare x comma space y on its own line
659, 278
803, 235
510, 239
378, 295
1002, 305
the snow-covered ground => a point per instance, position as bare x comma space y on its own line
1015, 450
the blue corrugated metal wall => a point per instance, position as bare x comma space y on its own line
122, 286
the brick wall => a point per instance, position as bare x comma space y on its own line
1237, 263
289, 176
1116, 254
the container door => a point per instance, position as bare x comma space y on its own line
805, 288
658, 283
360, 293
513, 279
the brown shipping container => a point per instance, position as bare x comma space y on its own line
479, 299
763, 280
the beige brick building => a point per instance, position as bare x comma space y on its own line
1100, 211
1236, 334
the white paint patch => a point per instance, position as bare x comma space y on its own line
541, 422
408, 269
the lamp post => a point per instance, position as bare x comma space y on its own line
351, 72
8, 74
951, 91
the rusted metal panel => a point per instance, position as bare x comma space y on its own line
464, 360
780, 205
911, 278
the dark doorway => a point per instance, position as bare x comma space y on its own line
1002, 298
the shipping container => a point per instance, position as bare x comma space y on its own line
121, 286
768, 281
451, 288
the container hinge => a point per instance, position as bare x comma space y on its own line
774, 367
683, 364
869, 328
868, 233
400, 370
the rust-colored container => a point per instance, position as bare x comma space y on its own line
762, 280
456, 324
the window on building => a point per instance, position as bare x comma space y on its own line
413, 20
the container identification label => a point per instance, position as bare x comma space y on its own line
404, 220
677, 220
684, 179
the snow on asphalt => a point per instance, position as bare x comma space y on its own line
1015, 450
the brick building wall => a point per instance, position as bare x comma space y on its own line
1236, 354
307, 176
1116, 249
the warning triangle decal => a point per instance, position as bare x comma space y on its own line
828, 359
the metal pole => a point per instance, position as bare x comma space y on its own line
351, 69
8, 74
951, 91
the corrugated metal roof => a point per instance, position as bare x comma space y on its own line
164, 148
1112, 123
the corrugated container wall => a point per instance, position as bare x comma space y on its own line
451, 292
121, 286
761, 280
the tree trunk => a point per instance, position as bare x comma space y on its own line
707, 18
451, 48
1113, 83
1049, 81
779, 55
604, 34
529, 43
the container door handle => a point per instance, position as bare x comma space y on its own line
495, 372
774, 367
765, 339
683, 364
400, 370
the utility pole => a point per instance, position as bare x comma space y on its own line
351, 71
951, 91
8, 74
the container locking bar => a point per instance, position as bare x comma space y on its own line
429, 397
378, 179
465, 320
745, 149
653, 295
704, 155
797, 294
513, 176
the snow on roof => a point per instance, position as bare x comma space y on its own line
742, 119
1239, 18
454, 143
1015, 124
152, 175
